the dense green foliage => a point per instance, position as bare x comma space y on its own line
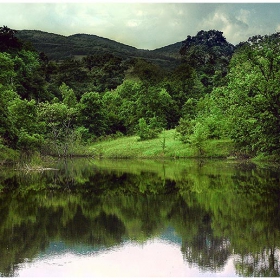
217, 92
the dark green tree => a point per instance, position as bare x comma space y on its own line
106, 71
147, 72
72, 73
209, 54
113, 103
29, 83
93, 114
8, 41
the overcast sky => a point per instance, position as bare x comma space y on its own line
145, 25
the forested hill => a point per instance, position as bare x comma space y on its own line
52, 102
59, 47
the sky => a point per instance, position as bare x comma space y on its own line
144, 24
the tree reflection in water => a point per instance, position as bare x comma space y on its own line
217, 211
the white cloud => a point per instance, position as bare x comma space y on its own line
133, 23
243, 16
143, 25
233, 24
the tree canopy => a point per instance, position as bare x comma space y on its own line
218, 91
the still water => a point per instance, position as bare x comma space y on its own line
95, 218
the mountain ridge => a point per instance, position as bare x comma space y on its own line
59, 47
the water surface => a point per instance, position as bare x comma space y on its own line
120, 218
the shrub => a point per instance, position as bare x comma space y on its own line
146, 131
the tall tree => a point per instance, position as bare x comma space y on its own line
59, 121
209, 54
7, 72
30, 82
7, 131
24, 120
92, 114
254, 96
8, 41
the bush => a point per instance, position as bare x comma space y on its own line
29, 142
185, 129
146, 131
200, 134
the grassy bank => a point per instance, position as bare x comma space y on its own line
166, 145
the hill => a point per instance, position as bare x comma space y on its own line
59, 47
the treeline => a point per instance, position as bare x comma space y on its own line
218, 91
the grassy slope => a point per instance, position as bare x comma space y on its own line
131, 147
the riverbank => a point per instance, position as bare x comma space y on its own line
167, 145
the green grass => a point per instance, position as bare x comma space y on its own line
131, 147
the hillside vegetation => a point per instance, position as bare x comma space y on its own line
217, 100
58, 47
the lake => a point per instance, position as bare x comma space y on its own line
172, 218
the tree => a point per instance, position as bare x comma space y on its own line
30, 82
113, 103
72, 73
59, 120
209, 54
7, 131
198, 137
128, 92
253, 95
8, 41
106, 71
154, 101
147, 131
185, 129
7, 73
68, 96
92, 114
24, 119
147, 72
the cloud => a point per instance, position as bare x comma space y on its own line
234, 25
144, 25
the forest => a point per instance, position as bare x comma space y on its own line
217, 91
